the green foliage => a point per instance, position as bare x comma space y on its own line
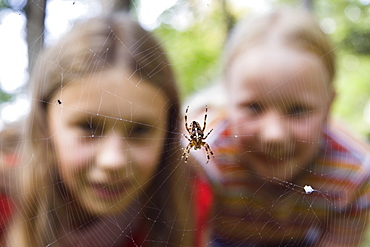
195, 48
5, 97
352, 46
194, 56
195, 51
3, 5
353, 90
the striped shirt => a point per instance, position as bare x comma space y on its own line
326, 205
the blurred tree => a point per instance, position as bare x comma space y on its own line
229, 18
195, 46
194, 33
3, 5
5, 97
35, 15
347, 22
116, 5
307, 4
16, 6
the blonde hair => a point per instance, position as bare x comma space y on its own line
92, 46
296, 27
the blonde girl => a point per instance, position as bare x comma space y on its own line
285, 174
101, 160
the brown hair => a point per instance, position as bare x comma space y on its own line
92, 46
296, 27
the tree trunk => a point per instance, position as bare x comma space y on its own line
308, 5
35, 14
116, 5
228, 17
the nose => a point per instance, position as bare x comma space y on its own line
273, 130
112, 153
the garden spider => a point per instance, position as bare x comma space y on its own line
196, 138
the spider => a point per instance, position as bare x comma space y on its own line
196, 138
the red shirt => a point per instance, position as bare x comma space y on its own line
5, 212
202, 198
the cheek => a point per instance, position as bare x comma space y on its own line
148, 157
242, 130
72, 155
309, 129
240, 124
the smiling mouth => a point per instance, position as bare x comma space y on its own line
273, 157
109, 191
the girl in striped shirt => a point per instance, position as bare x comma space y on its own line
284, 175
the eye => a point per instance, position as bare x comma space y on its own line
84, 126
139, 130
253, 107
90, 127
298, 111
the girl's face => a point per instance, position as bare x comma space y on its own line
278, 102
108, 134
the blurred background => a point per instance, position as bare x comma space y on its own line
193, 33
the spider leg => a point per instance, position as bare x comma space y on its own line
186, 137
208, 134
186, 119
205, 121
208, 151
187, 152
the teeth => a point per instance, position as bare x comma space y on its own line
110, 188
276, 156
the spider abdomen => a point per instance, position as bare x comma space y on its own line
196, 138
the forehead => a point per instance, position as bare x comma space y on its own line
113, 93
276, 70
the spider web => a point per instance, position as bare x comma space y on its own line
111, 231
